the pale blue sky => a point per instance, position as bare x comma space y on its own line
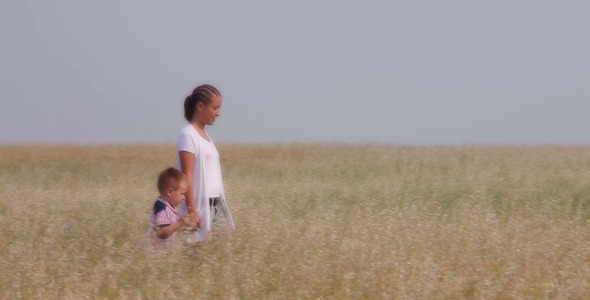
402, 72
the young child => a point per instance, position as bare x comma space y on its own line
165, 221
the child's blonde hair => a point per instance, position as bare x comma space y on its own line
171, 178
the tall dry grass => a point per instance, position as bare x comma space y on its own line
329, 221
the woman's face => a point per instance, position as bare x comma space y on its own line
207, 113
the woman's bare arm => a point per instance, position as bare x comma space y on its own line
187, 165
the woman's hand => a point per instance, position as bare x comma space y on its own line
196, 219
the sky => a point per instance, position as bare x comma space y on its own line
396, 72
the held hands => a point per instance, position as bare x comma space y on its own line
195, 220
185, 221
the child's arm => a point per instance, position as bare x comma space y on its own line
167, 230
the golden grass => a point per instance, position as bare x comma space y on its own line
329, 221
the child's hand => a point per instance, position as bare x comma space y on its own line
185, 221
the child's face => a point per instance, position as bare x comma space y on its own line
176, 196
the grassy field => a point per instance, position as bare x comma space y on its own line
315, 221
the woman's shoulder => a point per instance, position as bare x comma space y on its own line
188, 128
188, 131
188, 139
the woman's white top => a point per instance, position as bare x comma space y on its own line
212, 168
207, 180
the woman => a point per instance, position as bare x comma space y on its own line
199, 161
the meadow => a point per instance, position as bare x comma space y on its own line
314, 221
